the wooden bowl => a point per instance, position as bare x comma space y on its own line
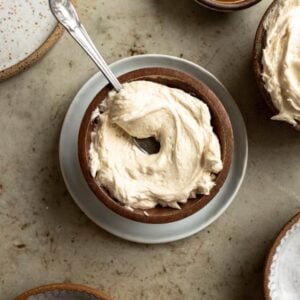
228, 6
268, 264
259, 46
221, 125
66, 288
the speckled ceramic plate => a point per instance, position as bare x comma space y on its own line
107, 219
282, 271
27, 31
63, 291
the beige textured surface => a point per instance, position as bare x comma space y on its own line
45, 238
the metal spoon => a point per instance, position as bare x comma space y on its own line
66, 14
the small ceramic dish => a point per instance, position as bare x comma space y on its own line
227, 5
282, 269
125, 228
63, 291
259, 46
28, 33
221, 124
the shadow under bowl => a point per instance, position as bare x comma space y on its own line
220, 122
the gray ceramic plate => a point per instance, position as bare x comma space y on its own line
131, 230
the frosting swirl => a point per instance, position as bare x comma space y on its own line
189, 155
281, 59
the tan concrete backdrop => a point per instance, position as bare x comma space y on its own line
45, 238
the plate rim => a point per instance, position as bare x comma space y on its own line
33, 57
211, 219
275, 244
37, 54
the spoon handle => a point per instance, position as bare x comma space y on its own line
66, 14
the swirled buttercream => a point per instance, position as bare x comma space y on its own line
281, 59
189, 155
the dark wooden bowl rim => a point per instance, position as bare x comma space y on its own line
228, 6
63, 287
272, 252
221, 124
